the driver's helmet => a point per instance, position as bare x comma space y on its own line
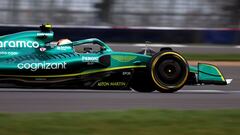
64, 41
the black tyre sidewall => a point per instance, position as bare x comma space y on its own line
158, 84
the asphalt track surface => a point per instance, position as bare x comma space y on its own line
66, 100
74, 101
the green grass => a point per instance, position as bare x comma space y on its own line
135, 122
213, 57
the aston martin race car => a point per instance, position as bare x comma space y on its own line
33, 59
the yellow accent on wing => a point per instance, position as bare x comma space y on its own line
217, 71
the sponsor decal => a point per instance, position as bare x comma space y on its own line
126, 73
121, 58
63, 48
113, 84
89, 59
8, 53
19, 44
42, 65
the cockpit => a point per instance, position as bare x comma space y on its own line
81, 48
91, 45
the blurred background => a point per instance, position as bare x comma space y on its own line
129, 21
203, 31
160, 13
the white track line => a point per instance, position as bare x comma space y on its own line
161, 45
208, 91
200, 91
122, 27
175, 45
183, 46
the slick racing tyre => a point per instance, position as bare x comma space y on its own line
169, 71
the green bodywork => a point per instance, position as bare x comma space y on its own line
207, 73
34, 47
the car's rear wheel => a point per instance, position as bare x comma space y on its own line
169, 71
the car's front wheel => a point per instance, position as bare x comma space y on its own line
169, 71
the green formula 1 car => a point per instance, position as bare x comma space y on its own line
32, 59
